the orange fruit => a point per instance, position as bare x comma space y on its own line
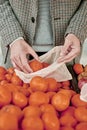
51, 121
68, 120
3, 71
66, 128
8, 122
3, 82
81, 113
81, 126
25, 85
29, 90
69, 111
52, 84
19, 99
66, 84
32, 123
10, 70
38, 98
5, 96
45, 64
35, 65
14, 74
2, 77
50, 94
8, 77
78, 68
68, 93
59, 85
38, 83
11, 87
24, 91
12, 109
65, 87
31, 111
48, 108
60, 101
16, 80
76, 101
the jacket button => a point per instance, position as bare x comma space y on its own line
32, 19
58, 18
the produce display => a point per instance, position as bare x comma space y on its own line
42, 104
81, 72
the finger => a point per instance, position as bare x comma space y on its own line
68, 60
68, 57
25, 64
15, 65
65, 48
18, 64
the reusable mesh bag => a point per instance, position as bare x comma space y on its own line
55, 70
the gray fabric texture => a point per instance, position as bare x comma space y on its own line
43, 34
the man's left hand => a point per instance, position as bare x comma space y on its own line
70, 49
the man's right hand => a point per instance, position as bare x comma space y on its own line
19, 50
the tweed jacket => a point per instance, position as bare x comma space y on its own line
18, 19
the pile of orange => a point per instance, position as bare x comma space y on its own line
42, 104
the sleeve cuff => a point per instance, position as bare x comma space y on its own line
19, 38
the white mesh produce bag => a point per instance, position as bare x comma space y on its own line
55, 70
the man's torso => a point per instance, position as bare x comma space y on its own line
61, 12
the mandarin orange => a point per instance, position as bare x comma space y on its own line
81, 114
32, 123
12, 109
68, 120
8, 121
60, 101
38, 98
81, 126
31, 111
52, 84
76, 101
35, 65
38, 83
78, 68
5, 96
19, 99
51, 121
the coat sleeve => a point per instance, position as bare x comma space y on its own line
78, 23
10, 29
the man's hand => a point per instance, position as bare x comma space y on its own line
70, 50
19, 50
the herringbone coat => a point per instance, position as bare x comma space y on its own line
18, 19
